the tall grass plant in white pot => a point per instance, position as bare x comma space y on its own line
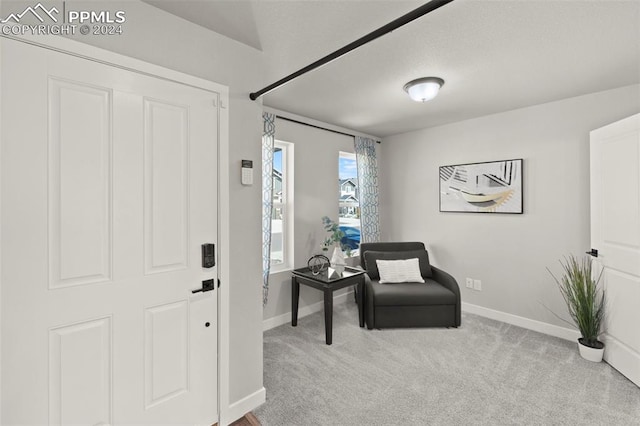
586, 303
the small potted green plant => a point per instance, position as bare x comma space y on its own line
335, 238
335, 234
586, 304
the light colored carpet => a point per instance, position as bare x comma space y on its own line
483, 373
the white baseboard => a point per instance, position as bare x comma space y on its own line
539, 326
242, 407
276, 321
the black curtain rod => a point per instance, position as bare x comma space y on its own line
317, 127
395, 24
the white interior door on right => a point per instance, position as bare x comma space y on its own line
615, 234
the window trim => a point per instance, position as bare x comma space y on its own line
287, 207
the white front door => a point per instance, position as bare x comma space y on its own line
109, 186
615, 233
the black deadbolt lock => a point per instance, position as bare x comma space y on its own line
208, 255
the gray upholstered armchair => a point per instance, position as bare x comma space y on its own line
436, 303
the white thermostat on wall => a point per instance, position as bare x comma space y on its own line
247, 172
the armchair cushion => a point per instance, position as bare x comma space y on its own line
412, 294
370, 258
399, 271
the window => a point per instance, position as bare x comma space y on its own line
282, 210
349, 204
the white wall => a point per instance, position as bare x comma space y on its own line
155, 36
316, 194
509, 253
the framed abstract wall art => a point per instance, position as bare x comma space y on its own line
492, 187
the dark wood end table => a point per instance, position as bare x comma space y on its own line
327, 284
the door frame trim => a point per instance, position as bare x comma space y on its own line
106, 57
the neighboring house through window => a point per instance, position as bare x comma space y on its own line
349, 205
282, 210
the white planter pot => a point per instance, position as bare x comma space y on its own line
337, 260
590, 354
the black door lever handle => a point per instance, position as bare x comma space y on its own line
207, 285
593, 252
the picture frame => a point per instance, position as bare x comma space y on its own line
488, 187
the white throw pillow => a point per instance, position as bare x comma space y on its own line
399, 271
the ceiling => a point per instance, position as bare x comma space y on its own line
494, 55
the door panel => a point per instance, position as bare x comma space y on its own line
166, 352
623, 295
620, 189
79, 174
108, 191
80, 369
615, 233
166, 186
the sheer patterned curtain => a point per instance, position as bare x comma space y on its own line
368, 187
268, 136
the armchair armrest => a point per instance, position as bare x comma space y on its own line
368, 302
446, 280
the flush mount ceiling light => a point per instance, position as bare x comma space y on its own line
423, 89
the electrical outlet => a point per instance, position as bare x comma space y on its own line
469, 282
477, 285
